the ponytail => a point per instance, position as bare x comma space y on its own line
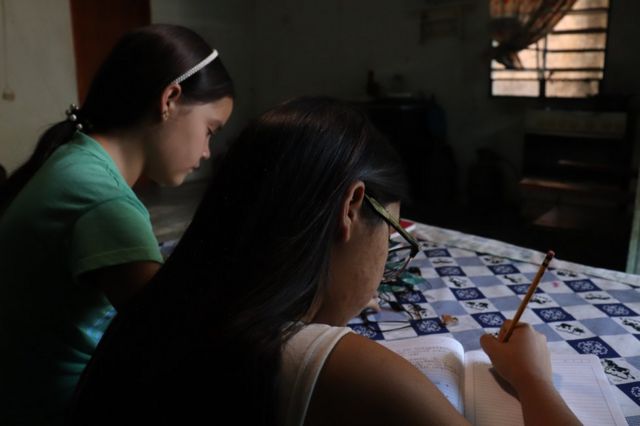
55, 136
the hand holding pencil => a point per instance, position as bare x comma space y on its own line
525, 363
525, 301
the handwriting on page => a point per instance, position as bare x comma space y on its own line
442, 364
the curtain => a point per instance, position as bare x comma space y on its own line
515, 24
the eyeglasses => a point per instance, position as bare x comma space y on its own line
400, 256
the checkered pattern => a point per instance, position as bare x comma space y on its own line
576, 312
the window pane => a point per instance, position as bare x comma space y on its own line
585, 15
589, 4
515, 88
528, 58
575, 60
574, 75
582, 21
576, 41
508, 74
495, 65
572, 89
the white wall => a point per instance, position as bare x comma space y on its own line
282, 48
327, 47
311, 47
41, 73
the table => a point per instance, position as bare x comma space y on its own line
481, 282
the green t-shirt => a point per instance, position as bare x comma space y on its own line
75, 215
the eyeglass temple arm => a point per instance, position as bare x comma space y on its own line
415, 246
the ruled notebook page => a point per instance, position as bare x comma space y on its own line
579, 379
438, 358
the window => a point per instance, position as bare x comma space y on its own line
567, 62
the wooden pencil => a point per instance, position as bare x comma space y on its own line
525, 301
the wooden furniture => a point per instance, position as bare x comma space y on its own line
576, 168
577, 185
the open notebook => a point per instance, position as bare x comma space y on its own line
468, 382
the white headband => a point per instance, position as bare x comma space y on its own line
203, 63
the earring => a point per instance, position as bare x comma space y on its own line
165, 115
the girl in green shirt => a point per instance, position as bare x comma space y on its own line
75, 241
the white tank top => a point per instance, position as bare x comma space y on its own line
303, 357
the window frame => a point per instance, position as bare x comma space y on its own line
559, 99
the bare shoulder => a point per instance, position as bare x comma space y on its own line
364, 382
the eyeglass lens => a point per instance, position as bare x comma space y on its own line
397, 261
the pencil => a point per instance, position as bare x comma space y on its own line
525, 301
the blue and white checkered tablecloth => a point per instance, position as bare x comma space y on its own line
481, 282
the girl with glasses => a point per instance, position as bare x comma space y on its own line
248, 315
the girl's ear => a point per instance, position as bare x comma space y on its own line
169, 99
350, 212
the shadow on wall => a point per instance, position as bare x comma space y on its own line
416, 126
493, 183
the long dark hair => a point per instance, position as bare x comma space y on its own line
249, 266
127, 86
